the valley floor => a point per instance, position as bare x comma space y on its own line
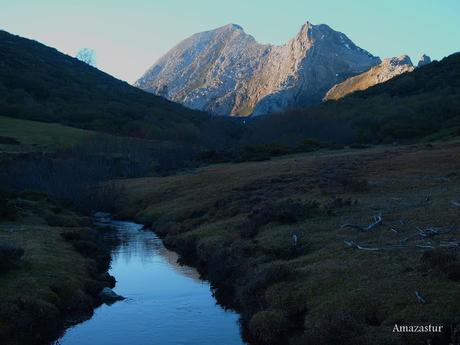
288, 243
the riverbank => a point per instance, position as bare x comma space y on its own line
318, 247
57, 273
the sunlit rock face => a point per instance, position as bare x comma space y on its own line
227, 72
387, 69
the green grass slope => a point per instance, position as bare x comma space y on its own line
18, 135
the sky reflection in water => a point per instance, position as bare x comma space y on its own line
166, 303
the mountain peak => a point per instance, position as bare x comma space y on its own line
306, 26
233, 27
400, 60
424, 60
226, 71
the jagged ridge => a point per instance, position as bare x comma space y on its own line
226, 71
389, 68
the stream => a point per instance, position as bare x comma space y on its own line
166, 303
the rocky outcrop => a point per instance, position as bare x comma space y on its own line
227, 72
389, 68
108, 296
424, 60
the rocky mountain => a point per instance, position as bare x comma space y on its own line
424, 60
227, 72
387, 69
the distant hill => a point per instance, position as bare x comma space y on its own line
40, 83
423, 104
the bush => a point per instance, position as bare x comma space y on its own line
185, 245
64, 221
8, 210
252, 293
288, 298
268, 327
71, 235
285, 212
438, 258
9, 256
355, 185
453, 271
71, 297
335, 204
338, 325
229, 264
31, 319
308, 145
281, 245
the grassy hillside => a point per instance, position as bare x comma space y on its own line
39, 83
422, 104
337, 281
18, 135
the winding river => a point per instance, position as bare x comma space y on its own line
166, 303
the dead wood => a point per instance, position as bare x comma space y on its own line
377, 220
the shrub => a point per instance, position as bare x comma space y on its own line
453, 271
71, 235
185, 245
268, 327
355, 185
288, 298
285, 212
85, 247
8, 210
9, 141
65, 221
252, 293
335, 204
338, 325
308, 145
93, 287
71, 297
9, 256
227, 265
438, 258
31, 319
359, 146
282, 246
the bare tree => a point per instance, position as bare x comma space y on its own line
87, 55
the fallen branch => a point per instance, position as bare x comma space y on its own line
426, 246
450, 244
455, 203
355, 245
420, 297
377, 220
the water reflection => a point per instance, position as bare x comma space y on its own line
167, 303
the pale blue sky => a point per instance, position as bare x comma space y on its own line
128, 36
